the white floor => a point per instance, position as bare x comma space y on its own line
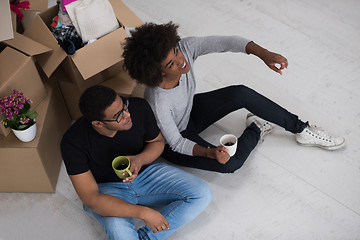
283, 191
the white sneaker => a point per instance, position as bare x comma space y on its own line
264, 126
313, 136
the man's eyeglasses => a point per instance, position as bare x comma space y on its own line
119, 115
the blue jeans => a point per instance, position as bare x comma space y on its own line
184, 196
210, 107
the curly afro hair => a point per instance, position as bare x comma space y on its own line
95, 100
146, 48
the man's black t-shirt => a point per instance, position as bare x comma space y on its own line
85, 149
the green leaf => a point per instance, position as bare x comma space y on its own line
22, 127
32, 114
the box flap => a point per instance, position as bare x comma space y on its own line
26, 45
38, 5
10, 61
5, 21
39, 32
100, 55
125, 16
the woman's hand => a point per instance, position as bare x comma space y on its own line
219, 153
274, 61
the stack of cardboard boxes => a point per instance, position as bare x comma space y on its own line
35, 64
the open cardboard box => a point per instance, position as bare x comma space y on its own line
18, 71
34, 166
122, 83
88, 61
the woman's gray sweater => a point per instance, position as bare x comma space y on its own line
172, 107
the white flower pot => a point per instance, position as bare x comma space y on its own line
26, 135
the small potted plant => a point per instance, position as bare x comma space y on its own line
18, 116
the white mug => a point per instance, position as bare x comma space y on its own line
230, 142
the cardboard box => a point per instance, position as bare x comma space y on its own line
89, 60
122, 83
18, 71
6, 25
35, 166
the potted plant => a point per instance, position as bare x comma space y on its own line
18, 116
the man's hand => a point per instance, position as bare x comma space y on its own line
219, 153
135, 166
155, 220
151, 152
272, 59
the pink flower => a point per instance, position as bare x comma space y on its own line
9, 116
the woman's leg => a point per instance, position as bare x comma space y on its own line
211, 106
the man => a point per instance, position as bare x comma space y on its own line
156, 56
113, 126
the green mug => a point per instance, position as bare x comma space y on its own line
120, 165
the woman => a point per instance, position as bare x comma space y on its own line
156, 56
